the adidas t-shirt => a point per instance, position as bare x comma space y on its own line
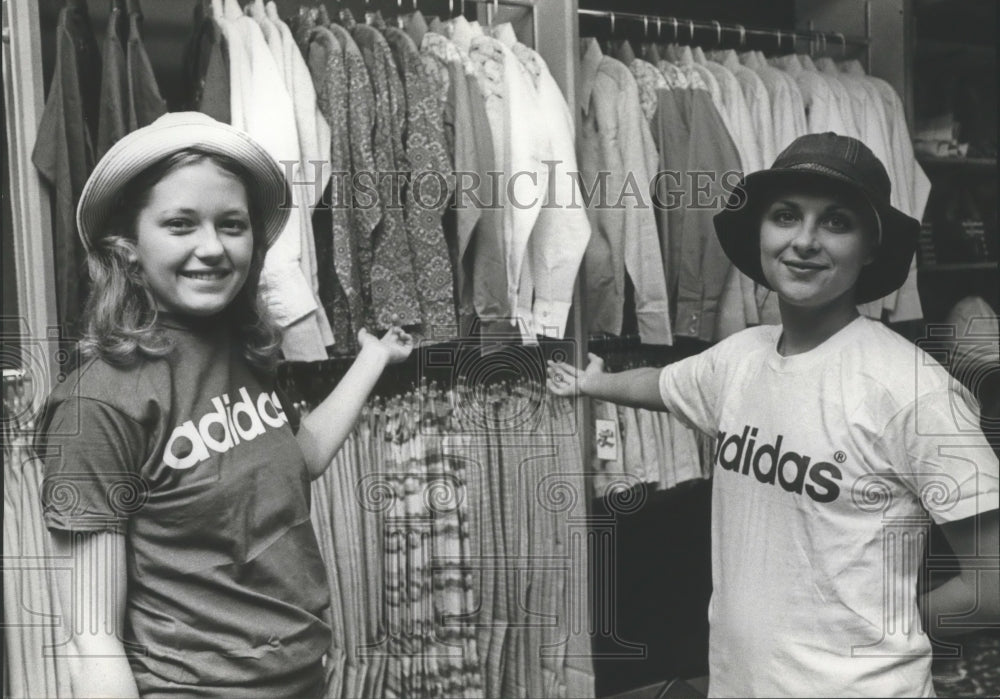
827, 466
191, 457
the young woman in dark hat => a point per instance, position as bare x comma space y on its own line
837, 440
175, 489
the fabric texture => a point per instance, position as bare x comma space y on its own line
190, 457
560, 235
692, 138
336, 248
615, 139
425, 196
824, 468
206, 67
393, 273
64, 153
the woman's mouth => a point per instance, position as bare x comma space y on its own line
207, 276
802, 266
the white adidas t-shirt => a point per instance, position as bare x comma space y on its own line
827, 466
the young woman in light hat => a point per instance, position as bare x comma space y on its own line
174, 484
836, 439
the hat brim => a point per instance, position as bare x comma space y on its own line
137, 151
738, 230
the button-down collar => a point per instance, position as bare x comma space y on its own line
460, 32
505, 34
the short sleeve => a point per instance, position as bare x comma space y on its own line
92, 456
690, 390
943, 457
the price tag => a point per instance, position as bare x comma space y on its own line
606, 435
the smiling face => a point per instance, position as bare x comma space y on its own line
194, 240
814, 245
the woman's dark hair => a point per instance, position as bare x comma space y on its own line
120, 313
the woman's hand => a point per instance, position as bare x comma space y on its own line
396, 344
568, 381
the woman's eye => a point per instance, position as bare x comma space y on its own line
838, 222
784, 216
179, 224
234, 226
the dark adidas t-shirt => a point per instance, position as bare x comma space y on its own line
191, 457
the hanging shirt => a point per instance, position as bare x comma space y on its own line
693, 140
130, 97
822, 112
510, 100
787, 110
365, 215
738, 304
615, 139
446, 64
758, 104
339, 274
206, 67
428, 191
64, 153
735, 113
561, 233
393, 277
486, 246
647, 77
821, 478
265, 107
842, 98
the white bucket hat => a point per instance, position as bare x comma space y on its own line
167, 135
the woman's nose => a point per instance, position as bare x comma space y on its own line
805, 237
209, 243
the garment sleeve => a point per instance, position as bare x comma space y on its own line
92, 456
562, 231
690, 389
643, 258
942, 456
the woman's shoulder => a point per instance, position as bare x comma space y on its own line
885, 360
743, 343
128, 388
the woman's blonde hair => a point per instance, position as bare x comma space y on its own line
120, 313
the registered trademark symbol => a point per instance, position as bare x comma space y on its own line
840, 457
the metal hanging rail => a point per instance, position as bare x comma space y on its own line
690, 26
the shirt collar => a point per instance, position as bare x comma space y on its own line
460, 32
826, 65
852, 67
624, 52
807, 62
416, 27
505, 34
729, 59
651, 53
590, 62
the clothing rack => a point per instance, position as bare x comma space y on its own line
468, 363
628, 352
719, 29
